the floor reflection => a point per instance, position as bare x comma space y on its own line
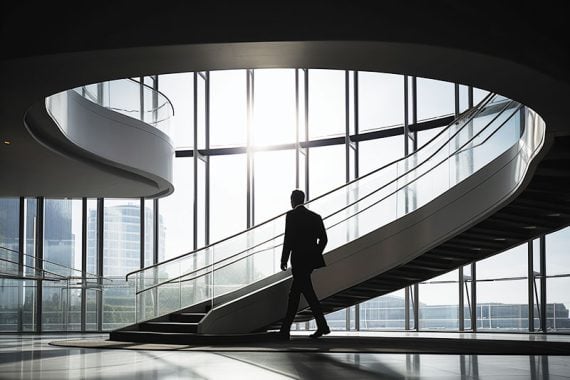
33, 357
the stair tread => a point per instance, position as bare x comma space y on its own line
139, 332
171, 323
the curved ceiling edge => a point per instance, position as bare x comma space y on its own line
512, 79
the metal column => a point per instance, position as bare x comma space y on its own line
543, 315
39, 260
530, 282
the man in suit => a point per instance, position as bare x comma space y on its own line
305, 240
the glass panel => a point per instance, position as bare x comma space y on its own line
61, 306
467, 304
228, 211
179, 88
558, 281
478, 95
201, 112
149, 233
121, 254
9, 223
274, 180
201, 202
30, 221
536, 273
92, 260
380, 100
125, 96
91, 310
62, 235
502, 291
435, 98
274, 107
326, 103
386, 312
373, 154
439, 303
463, 98
176, 211
228, 107
326, 169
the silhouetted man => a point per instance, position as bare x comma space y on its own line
305, 240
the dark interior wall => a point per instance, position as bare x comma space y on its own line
534, 33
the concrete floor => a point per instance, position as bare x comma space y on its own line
31, 357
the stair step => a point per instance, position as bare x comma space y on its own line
172, 327
187, 317
190, 338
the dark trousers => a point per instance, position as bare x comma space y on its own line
302, 284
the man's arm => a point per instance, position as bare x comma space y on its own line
322, 235
286, 245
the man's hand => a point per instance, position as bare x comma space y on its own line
283, 266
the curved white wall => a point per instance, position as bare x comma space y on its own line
113, 138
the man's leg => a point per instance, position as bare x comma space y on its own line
292, 306
308, 291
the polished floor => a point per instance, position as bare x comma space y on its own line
32, 357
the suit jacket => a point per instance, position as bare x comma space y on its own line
305, 239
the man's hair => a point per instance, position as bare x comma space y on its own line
297, 197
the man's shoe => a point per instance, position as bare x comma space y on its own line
320, 332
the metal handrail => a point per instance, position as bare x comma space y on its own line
168, 101
467, 114
459, 150
156, 90
91, 275
59, 277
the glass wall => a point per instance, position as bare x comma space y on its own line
250, 126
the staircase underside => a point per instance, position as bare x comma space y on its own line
542, 207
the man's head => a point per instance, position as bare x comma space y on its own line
297, 198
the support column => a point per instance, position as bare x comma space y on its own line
530, 284
543, 315
39, 261
474, 297
21, 258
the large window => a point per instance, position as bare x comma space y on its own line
250, 156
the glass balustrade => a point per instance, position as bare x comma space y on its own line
133, 99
